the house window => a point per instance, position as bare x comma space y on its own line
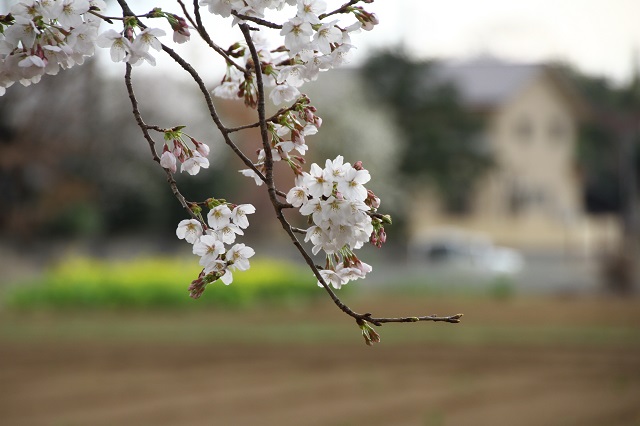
558, 130
521, 198
523, 130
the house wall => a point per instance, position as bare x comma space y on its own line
533, 197
533, 140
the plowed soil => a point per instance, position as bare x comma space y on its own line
109, 380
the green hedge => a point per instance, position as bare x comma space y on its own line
159, 283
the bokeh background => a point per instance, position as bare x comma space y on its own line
501, 136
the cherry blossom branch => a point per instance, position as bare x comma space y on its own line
267, 177
187, 15
205, 36
343, 210
212, 110
257, 124
361, 319
342, 9
110, 19
262, 120
145, 132
258, 21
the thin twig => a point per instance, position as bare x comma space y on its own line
269, 168
268, 179
270, 119
278, 207
341, 9
205, 36
186, 13
151, 142
258, 21
110, 19
212, 110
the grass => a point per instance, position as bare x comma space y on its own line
233, 328
518, 322
147, 299
158, 283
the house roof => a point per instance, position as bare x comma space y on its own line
487, 82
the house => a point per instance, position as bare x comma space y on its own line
533, 196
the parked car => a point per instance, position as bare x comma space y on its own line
456, 248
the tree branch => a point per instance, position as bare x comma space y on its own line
152, 145
205, 36
270, 119
341, 9
258, 21
268, 177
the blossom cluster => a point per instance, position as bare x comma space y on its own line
225, 221
287, 138
41, 37
192, 160
338, 204
311, 45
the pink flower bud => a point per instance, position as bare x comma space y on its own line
168, 160
201, 147
308, 115
372, 200
295, 136
197, 288
177, 148
128, 33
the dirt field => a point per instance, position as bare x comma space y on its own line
107, 376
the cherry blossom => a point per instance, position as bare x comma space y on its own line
222, 7
227, 233
148, 38
189, 230
227, 90
239, 256
208, 247
252, 174
71, 14
193, 164
325, 36
308, 10
297, 33
332, 278
351, 185
44, 36
283, 93
23, 31
168, 161
119, 46
239, 215
219, 216
318, 181
297, 196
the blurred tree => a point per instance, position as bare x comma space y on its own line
441, 138
43, 149
612, 109
610, 161
58, 165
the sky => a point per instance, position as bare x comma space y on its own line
600, 37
